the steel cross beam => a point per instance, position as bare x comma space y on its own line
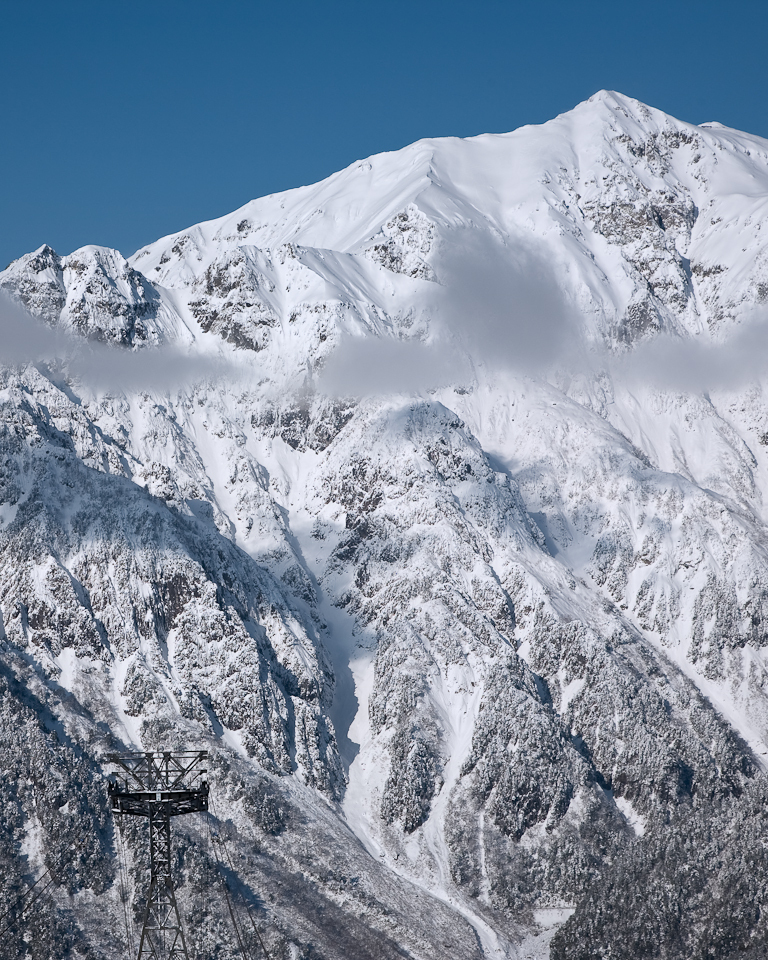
160, 786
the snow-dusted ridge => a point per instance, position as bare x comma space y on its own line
473, 658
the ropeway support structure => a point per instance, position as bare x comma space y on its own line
159, 786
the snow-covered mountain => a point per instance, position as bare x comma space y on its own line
460, 569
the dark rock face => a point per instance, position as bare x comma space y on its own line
119, 574
405, 242
36, 281
98, 571
234, 299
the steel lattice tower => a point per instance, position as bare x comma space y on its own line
160, 786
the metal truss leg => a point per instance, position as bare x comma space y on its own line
162, 936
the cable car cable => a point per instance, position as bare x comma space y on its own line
52, 870
34, 900
225, 887
245, 902
24, 895
123, 870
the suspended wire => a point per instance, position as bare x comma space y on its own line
24, 895
245, 903
35, 899
223, 842
224, 885
220, 856
53, 871
212, 852
123, 897
32, 902
200, 940
207, 914
123, 870
199, 930
234, 924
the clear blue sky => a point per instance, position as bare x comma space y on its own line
122, 122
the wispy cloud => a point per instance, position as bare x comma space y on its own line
495, 307
695, 364
502, 308
25, 339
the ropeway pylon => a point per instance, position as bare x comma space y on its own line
160, 786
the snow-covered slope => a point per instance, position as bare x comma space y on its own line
468, 598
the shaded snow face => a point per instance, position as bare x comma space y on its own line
423, 449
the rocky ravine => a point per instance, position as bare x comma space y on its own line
482, 667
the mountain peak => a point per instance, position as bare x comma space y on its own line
456, 564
